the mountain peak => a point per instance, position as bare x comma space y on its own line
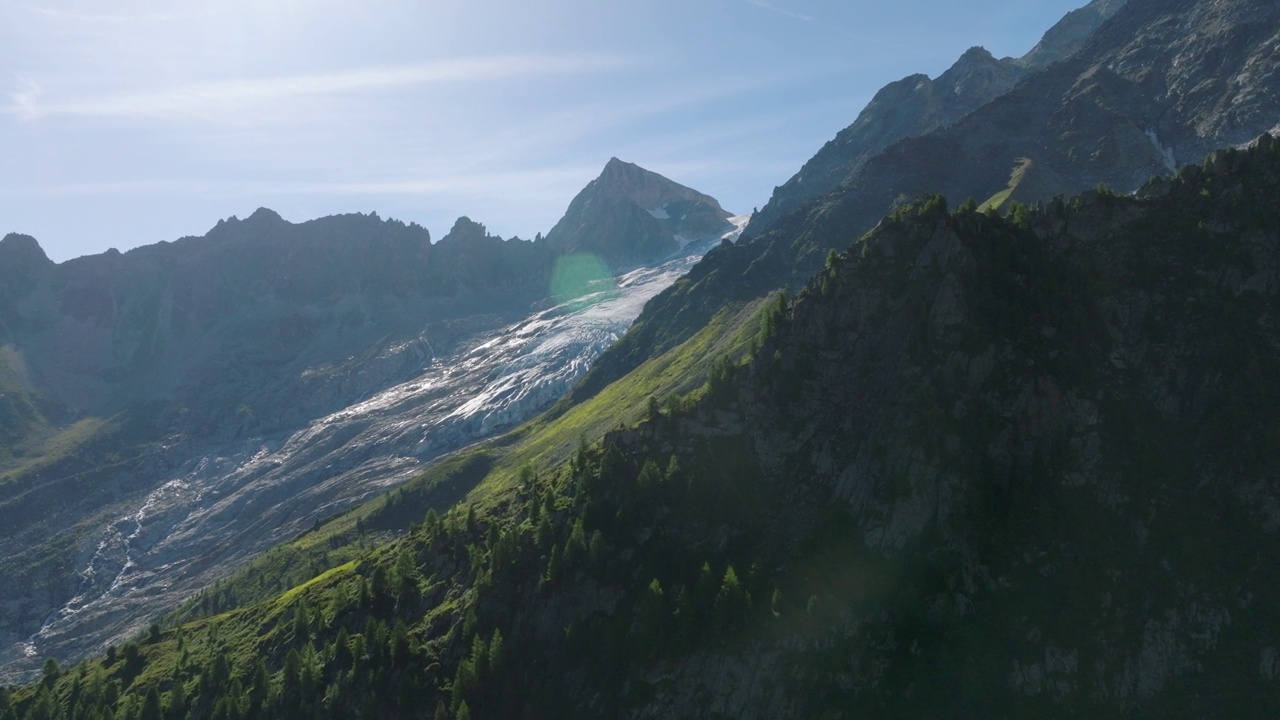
464, 230
977, 52
630, 215
264, 215
644, 187
917, 106
19, 249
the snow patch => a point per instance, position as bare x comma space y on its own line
660, 212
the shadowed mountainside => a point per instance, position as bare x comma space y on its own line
978, 468
172, 411
918, 105
1157, 85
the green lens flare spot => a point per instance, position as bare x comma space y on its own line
582, 279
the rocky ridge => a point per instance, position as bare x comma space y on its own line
1156, 86
630, 216
918, 105
181, 407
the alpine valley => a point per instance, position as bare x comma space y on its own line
975, 419
174, 411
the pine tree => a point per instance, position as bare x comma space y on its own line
342, 658
259, 684
178, 700
497, 653
1019, 215
43, 708
471, 522
405, 574
653, 612
480, 656
291, 675
732, 602
52, 671
151, 706
650, 475
301, 623
400, 650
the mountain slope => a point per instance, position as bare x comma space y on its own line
976, 469
917, 105
180, 408
629, 216
1157, 85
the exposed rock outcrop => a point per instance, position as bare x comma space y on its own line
629, 216
1156, 86
917, 105
169, 412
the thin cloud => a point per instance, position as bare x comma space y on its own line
781, 11
26, 101
79, 17
485, 181
766, 5
562, 129
213, 99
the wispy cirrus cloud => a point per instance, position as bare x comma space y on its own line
525, 180
780, 10
26, 99
794, 15
99, 17
210, 100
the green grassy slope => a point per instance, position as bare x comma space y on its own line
979, 468
486, 474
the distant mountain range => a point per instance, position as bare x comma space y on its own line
171, 366
975, 420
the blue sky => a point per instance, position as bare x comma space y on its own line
128, 123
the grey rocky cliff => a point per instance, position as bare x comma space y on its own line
629, 216
917, 105
180, 408
1070, 34
1157, 86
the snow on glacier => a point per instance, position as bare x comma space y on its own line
227, 504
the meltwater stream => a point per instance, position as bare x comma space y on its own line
229, 504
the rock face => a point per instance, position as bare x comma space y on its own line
917, 105
629, 216
1070, 34
1158, 85
167, 413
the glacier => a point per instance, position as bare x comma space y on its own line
226, 505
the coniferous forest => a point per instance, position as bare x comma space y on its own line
709, 547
